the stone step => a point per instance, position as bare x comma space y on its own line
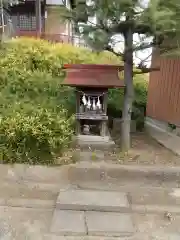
54, 237
58, 237
94, 142
87, 200
80, 223
25, 191
145, 196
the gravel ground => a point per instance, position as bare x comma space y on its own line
145, 151
156, 227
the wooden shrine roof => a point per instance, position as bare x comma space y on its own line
92, 75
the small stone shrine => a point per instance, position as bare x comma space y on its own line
92, 83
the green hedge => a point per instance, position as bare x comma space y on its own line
34, 135
115, 101
35, 125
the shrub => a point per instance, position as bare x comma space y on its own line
140, 91
34, 135
35, 125
31, 54
115, 101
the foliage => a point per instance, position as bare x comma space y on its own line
115, 101
34, 126
34, 135
140, 99
156, 19
140, 91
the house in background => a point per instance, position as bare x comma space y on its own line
42, 18
163, 102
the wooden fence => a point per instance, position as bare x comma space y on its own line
164, 90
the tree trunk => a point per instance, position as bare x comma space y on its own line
129, 91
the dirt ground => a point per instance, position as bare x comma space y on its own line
146, 151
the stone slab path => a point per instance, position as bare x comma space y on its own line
44, 203
109, 224
89, 212
90, 200
68, 223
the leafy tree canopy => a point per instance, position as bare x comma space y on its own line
104, 23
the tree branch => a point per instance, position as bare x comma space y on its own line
143, 46
146, 70
119, 54
142, 61
64, 3
143, 68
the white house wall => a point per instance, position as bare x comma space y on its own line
58, 3
54, 2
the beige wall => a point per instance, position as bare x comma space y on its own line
55, 26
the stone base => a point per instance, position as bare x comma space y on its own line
94, 142
159, 131
117, 126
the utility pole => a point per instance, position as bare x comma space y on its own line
2, 20
38, 17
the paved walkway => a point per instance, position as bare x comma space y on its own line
45, 203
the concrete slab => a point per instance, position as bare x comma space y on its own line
88, 200
109, 224
45, 174
2, 202
140, 237
54, 237
4, 171
13, 172
23, 223
30, 203
13, 190
68, 223
155, 209
155, 196
86, 171
161, 135
95, 142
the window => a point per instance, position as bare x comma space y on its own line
27, 22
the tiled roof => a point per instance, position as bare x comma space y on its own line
91, 75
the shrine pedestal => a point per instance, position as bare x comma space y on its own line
94, 142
